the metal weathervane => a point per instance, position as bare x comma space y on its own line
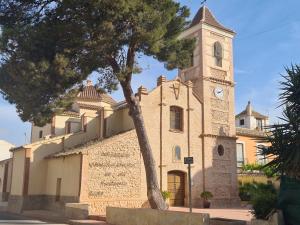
203, 2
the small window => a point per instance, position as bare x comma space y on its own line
192, 60
240, 158
68, 127
221, 150
261, 159
84, 123
242, 122
176, 118
40, 134
218, 53
259, 124
177, 153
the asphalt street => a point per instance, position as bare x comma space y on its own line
10, 219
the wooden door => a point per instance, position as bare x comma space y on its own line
176, 186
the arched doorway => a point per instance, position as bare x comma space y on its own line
176, 186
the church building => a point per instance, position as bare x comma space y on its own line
88, 158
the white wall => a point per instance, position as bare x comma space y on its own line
4, 150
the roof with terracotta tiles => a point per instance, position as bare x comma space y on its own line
205, 16
89, 92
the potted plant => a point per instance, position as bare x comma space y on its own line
166, 196
206, 196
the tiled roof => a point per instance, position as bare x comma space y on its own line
71, 113
205, 16
253, 113
249, 133
89, 106
89, 92
84, 148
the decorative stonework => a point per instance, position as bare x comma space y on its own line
217, 36
189, 74
220, 129
219, 104
115, 168
219, 116
219, 74
222, 192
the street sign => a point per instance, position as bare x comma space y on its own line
188, 160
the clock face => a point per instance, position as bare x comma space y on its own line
219, 92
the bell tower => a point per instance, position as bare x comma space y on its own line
212, 77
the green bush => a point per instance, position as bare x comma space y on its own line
267, 170
245, 191
206, 195
263, 198
166, 195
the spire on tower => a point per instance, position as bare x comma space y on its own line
205, 16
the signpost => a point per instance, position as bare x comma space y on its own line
189, 161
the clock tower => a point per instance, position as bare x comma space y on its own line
213, 83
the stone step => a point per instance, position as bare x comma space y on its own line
45, 215
92, 222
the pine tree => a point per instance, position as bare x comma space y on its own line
49, 47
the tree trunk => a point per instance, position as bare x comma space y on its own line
153, 191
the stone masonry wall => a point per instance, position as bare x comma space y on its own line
114, 173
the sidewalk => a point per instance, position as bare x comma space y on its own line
50, 216
234, 214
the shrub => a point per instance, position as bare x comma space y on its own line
263, 200
206, 195
166, 195
245, 191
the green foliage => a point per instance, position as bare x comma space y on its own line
48, 47
166, 195
206, 195
263, 198
245, 191
251, 167
284, 138
266, 169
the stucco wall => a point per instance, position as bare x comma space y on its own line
68, 169
18, 172
250, 148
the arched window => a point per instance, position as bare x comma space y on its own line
221, 150
177, 153
218, 53
176, 118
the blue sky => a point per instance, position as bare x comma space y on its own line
268, 39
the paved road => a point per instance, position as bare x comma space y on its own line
11, 219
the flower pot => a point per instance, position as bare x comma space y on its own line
206, 204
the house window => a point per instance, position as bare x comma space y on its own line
221, 150
177, 153
242, 122
261, 159
176, 118
240, 157
259, 124
218, 53
40, 134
